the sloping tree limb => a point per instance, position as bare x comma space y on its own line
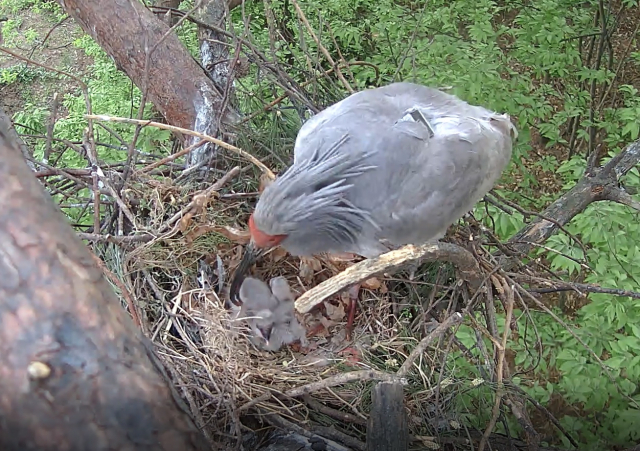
600, 184
75, 373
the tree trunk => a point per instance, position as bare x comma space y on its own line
175, 83
75, 373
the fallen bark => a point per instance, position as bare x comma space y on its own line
75, 374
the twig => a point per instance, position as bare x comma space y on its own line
324, 51
208, 192
343, 378
391, 261
333, 413
144, 238
573, 286
185, 131
453, 320
508, 295
262, 398
124, 208
166, 160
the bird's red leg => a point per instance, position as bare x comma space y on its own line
351, 311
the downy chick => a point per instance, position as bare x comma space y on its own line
286, 328
270, 313
258, 304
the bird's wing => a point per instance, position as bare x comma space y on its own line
430, 176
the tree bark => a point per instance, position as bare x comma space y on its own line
174, 82
217, 62
75, 374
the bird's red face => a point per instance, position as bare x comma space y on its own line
261, 239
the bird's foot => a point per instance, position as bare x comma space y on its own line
351, 311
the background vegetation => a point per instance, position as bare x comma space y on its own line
566, 70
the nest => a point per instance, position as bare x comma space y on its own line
179, 282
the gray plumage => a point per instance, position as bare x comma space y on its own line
269, 311
383, 168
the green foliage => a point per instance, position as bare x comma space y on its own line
519, 58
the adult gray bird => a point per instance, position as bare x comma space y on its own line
380, 169
270, 313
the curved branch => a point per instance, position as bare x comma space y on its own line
392, 261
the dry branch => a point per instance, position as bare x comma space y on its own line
196, 134
453, 320
392, 261
76, 373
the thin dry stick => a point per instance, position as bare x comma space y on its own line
344, 378
208, 192
124, 208
453, 320
324, 51
185, 131
508, 296
170, 158
144, 238
262, 398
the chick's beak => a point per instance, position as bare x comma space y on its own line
265, 332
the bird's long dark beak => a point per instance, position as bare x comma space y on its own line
250, 256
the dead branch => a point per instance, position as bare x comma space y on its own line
343, 378
202, 136
388, 262
453, 320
